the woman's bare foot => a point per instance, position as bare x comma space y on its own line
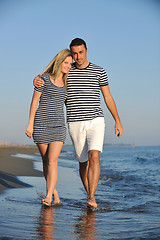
47, 201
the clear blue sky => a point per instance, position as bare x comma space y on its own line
123, 37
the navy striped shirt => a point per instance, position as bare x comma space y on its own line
83, 100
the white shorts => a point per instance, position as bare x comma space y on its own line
86, 136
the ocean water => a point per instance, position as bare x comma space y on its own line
128, 197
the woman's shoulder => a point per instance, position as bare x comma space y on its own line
45, 76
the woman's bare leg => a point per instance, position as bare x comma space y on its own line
52, 176
43, 149
50, 151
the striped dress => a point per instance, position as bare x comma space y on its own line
49, 122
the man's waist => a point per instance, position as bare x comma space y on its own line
79, 118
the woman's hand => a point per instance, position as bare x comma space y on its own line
29, 130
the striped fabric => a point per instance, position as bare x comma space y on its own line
49, 123
83, 101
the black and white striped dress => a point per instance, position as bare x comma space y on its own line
49, 123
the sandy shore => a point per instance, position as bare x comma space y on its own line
11, 166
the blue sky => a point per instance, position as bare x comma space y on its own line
123, 37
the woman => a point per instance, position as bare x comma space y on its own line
47, 123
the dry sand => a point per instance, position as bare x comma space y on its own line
11, 166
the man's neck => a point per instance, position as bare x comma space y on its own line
82, 66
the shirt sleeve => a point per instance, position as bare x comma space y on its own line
103, 80
40, 89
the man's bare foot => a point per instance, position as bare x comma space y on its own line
56, 197
92, 203
57, 204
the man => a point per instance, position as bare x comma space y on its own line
84, 115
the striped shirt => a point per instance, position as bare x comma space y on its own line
83, 100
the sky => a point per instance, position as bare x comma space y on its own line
122, 36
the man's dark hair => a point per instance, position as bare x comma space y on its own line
77, 42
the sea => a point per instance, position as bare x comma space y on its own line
128, 197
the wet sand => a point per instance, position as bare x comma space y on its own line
22, 214
11, 167
130, 212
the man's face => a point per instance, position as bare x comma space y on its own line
79, 54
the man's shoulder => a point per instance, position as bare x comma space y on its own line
89, 67
97, 68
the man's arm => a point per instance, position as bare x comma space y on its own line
110, 103
38, 82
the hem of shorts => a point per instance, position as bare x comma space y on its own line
87, 158
95, 150
83, 161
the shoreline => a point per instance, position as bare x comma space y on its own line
11, 167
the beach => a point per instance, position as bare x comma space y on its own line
22, 186
127, 196
11, 166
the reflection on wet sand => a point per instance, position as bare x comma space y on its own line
86, 226
46, 223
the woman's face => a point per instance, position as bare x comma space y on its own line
66, 64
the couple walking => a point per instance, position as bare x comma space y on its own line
78, 85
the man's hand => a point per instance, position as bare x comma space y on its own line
118, 129
38, 82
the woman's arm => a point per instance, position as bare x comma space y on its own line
33, 108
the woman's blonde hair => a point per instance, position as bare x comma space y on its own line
54, 67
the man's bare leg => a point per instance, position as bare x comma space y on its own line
83, 171
93, 176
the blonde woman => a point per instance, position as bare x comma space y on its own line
47, 122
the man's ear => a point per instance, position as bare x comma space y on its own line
87, 51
